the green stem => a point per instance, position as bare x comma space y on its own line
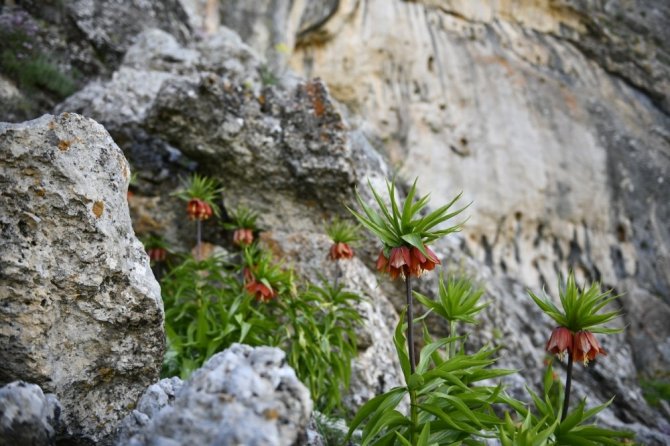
410, 322
198, 238
568, 385
452, 333
414, 414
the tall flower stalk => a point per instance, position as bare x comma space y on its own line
200, 194
578, 319
405, 236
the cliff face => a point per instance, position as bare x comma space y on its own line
551, 116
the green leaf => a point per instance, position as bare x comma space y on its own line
371, 406
424, 436
400, 343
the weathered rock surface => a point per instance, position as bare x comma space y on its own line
551, 116
109, 26
152, 401
80, 313
566, 164
27, 415
242, 395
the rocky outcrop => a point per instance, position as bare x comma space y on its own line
81, 312
27, 415
283, 150
242, 395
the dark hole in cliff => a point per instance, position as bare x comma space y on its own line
464, 141
23, 228
621, 233
43, 303
431, 60
518, 215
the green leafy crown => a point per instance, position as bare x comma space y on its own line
403, 225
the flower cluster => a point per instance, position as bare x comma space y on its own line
198, 209
583, 345
243, 236
156, 248
157, 254
405, 261
340, 250
200, 194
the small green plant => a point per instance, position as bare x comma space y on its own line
22, 60
655, 391
545, 424
268, 77
243, 223
214, 302
343, 234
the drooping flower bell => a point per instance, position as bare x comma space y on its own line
157, 254
340, 250
198, 209
243, 236
586, 347
420, 263
384, 266
560, 341
260, 291
407, 262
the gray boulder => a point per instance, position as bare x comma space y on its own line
242, 395
81, 312
27, 416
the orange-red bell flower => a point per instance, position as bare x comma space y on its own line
586, 347
260, 291
560, 341
243, 237
198, 209
407, 262
340, 250
157, 254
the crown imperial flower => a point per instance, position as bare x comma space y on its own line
586, 347
198, 209
560, 341
340, 250
260, 291
157, 254
243, 236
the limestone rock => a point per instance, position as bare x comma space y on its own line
153, 400
242, 395
111, 27
567, 175
81, 312
27, 416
